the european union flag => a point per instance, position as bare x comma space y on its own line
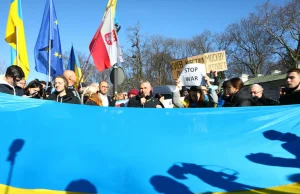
49, 41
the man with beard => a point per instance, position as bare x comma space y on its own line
292, 95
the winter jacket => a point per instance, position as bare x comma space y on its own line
291, 97
64, 99
183, 104
241, 98
263, 101
19, 91
71, 91
6, 88
151, 102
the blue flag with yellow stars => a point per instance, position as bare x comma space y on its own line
47, 50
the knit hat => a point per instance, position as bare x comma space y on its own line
133, 91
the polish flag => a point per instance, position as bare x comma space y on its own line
104, 47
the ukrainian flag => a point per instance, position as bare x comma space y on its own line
15, 36
113, 4
245, 150
74, 66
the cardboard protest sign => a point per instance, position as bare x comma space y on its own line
193, 75
215, 61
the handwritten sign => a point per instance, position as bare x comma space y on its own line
215, 61
192, 75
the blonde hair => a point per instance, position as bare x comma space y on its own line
89, 91
119, 96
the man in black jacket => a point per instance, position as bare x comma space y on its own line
61, 95
13, 75
292, 95
145, 98
259, 99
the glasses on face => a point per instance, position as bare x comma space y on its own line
255, 92
104, 86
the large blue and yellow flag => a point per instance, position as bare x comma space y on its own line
245, 150
74, 66
49, 41
15, 36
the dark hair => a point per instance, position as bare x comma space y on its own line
201, 101
236, 83
14, 71
34, 84
43, 82
296, 70
66, 84
225, 84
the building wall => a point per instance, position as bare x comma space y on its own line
272, 89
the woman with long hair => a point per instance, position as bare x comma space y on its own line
238, 94
34, 89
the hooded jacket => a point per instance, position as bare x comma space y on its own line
6, 88
64, 99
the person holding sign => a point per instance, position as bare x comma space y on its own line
195, 98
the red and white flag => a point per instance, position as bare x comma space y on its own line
104, 47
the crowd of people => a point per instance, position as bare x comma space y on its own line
231, 94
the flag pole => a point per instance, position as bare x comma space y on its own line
49, 62
88, 59
49, 46
17, 49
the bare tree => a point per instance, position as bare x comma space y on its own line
202, 43
134, 58
180, 49
158, 58
252, 48
283, 24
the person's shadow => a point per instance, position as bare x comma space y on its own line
220, 180
291, 144
166, 185
81, 186
15, 147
